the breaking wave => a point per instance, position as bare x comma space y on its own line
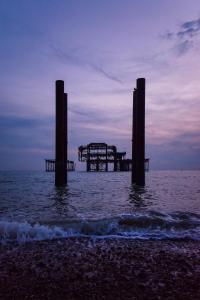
147, 225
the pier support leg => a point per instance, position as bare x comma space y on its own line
138, 136
65, 134
134, 136
60, 167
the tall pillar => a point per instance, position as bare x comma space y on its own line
134, 136
60, 177
65, 133
140, 132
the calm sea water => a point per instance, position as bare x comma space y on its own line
99, 204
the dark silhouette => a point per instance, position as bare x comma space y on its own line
138, 134
61, 135
98, 155
65, 133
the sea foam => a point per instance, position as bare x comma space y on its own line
147, 225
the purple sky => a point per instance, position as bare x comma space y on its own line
99, 48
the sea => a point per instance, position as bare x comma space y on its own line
99, 205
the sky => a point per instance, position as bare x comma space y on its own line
99, 49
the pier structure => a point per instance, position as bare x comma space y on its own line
138, 133
98, 155
50, 165
61, 135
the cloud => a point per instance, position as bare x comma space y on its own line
168, 157
25, 133
105, 73
183, 47
106, 129
189, 29
7, 122
187, 142
185, 38
96, 115
168, 35
79, 60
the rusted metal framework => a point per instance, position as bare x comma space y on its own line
98, 155
51, 163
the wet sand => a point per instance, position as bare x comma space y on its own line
87, 268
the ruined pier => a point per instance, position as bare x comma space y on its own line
98, 156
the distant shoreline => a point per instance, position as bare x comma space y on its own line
88, 268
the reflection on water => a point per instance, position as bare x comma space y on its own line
59, 195
31, 196
138, 196
60, 199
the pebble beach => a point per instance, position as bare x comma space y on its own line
100, 268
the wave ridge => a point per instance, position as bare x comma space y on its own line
146, 225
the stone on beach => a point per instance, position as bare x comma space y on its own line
88, 268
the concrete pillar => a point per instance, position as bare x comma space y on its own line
65, 133
60, 178
134, 136
140, 132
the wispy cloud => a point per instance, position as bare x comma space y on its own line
79, 60
185, 37
189, 29
25, 133
105, 73
106, 130
183, 47
96, 115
